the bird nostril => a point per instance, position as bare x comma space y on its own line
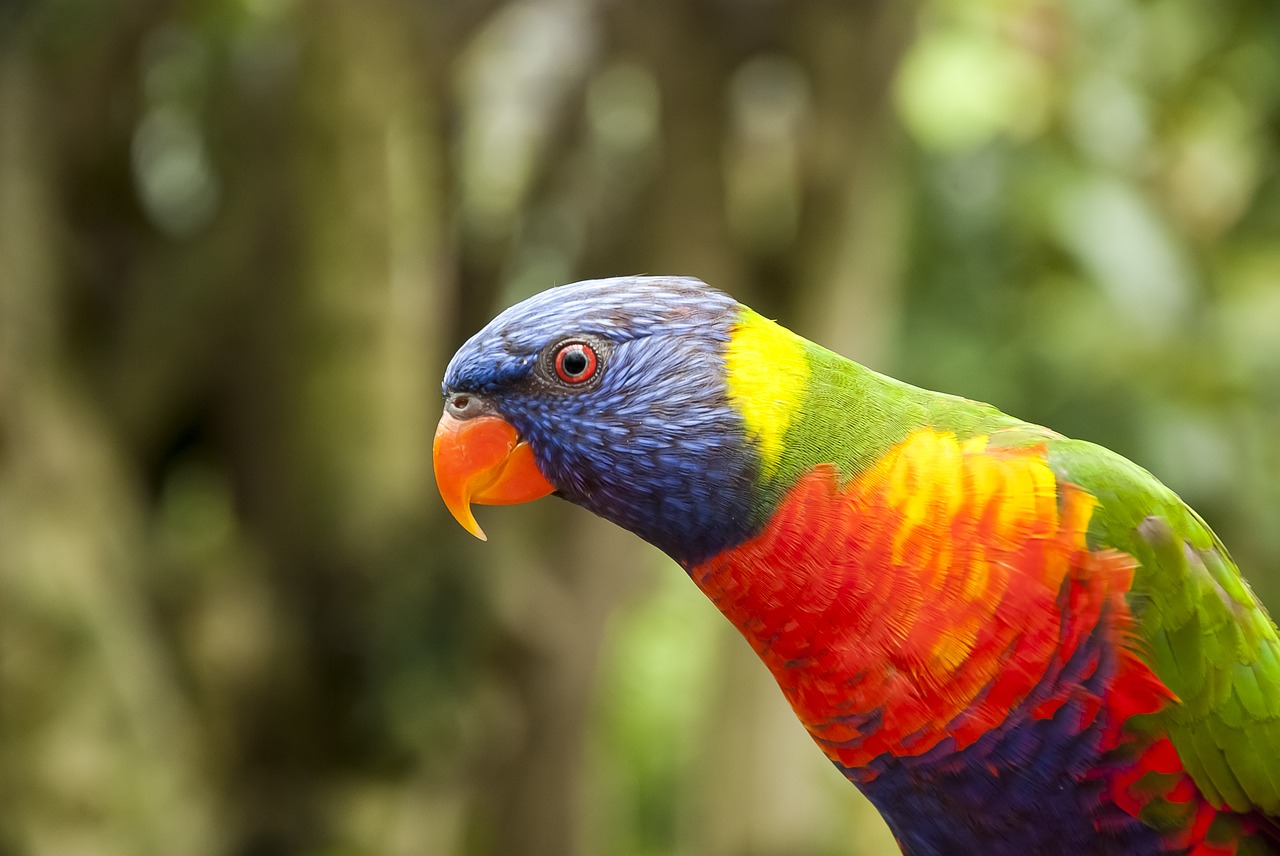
464, 405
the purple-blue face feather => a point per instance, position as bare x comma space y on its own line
652, 442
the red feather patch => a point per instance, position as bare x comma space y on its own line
939, 588
929, 596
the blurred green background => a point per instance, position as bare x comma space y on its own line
240, 238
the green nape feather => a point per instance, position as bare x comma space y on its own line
830, 409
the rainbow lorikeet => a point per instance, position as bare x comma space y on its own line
1011, 641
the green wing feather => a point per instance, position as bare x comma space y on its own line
1208, 639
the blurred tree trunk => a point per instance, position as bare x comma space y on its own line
850, 255
332, 400
684, 230
99, 750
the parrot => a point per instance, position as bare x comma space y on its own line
1012, 642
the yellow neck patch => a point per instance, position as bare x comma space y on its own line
767, 378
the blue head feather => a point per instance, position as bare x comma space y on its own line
652, 443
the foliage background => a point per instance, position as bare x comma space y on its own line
240, 238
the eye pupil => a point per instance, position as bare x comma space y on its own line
576, 363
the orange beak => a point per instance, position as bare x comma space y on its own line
483, 460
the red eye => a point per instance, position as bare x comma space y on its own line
576, 363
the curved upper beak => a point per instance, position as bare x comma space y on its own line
483, 459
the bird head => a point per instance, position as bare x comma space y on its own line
615, 394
